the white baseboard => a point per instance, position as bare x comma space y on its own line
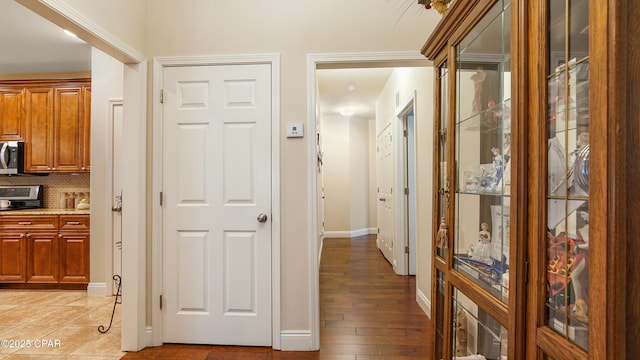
350, 233
148, 337
97, 289
296, 340
321, 239
423, 302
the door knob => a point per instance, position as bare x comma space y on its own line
262, 218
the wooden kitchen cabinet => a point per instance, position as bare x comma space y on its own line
44, 249
86, 130
29, 249
42, 257
13, 257
11, 114
56, 128
38, 129
74, 249
68, 129
544, 91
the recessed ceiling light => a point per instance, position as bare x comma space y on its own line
347, 112
70, 33
351, 88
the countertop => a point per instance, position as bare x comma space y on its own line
47, 211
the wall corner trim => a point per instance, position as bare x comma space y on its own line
97, 289
296, 340
423, 302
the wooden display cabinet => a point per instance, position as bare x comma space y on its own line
535, 134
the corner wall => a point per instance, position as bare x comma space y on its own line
401, 86
346, 176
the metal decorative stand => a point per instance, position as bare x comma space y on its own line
118, 300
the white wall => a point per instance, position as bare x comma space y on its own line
346, 176
404, 82
337, 176
106, 83
292, 29
373, 175
359, 153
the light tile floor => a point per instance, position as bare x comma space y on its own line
51, 325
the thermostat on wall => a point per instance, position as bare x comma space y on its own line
294, 130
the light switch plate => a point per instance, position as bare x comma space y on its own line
294, 130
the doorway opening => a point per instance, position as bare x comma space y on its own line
319, 196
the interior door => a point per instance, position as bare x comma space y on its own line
217, 204
386, 210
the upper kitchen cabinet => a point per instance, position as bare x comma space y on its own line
57, 126
11, 115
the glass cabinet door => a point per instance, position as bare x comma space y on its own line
442, 242
483, 152
567, 195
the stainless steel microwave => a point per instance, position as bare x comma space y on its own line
9, 157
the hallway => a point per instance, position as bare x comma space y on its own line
366, 312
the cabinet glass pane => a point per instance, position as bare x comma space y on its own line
483, 152
439, 317
443, 183
475, 332
567, 233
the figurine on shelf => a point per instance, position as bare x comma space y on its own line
461, 333
484, 235
483, 251
506, 156
478, 79
579, 267
498, 167
506, 147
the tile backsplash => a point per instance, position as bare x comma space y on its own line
55, 186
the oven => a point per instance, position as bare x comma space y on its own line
16, 197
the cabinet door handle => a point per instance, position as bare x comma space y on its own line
24, 222
60, 235
73, 223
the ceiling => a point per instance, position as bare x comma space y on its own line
351, 92
31, 44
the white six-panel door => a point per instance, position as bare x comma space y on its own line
386, 204
216, 184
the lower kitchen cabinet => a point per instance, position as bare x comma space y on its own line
13, 257
74, 257
42, 257
44, 250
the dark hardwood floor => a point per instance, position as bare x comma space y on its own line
366, 312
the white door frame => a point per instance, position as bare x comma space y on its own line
111, 253
134, 167
326, 60
159, 64
402, 201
